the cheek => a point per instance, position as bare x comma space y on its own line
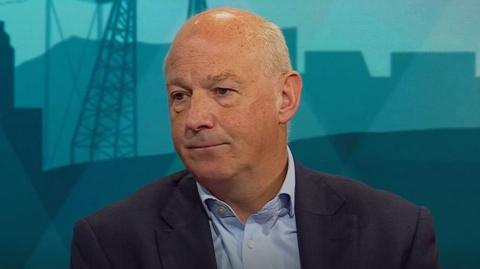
263, 111
177, 127
264, 119
247, 124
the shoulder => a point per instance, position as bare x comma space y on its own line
388, 228
121, 234
141, 208
372, 206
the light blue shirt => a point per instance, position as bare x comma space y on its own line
267, 240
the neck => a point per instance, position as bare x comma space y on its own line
248, 193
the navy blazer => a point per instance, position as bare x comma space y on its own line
341, 223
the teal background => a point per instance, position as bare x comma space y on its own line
391, 98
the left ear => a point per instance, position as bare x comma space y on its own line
290, 96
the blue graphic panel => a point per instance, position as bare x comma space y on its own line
391, 97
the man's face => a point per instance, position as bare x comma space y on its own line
223, 109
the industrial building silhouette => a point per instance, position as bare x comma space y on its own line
22, 126
6, 71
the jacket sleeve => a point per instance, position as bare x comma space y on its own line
86, 252
423, 252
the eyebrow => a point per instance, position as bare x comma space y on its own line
224, 76
178, 82
208, 82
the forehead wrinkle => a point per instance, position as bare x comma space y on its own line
224, 76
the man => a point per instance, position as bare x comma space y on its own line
243, 202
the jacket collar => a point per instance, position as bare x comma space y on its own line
185, 241
326, 237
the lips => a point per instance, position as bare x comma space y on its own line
204, 146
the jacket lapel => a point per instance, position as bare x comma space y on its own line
326, 237
185, 240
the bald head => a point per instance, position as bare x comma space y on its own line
248, 31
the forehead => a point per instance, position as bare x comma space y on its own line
209, 58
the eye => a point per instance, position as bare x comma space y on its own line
223, 91
177, 96
179, 100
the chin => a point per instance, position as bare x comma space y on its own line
207, 172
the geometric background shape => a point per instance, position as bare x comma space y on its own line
414, 131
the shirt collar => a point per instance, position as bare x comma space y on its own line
288, 186
287, 190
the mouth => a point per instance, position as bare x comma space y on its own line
207, 146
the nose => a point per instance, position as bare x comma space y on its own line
200, 112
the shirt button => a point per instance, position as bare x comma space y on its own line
251, 244
221, 210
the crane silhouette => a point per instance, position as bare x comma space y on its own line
107, 123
